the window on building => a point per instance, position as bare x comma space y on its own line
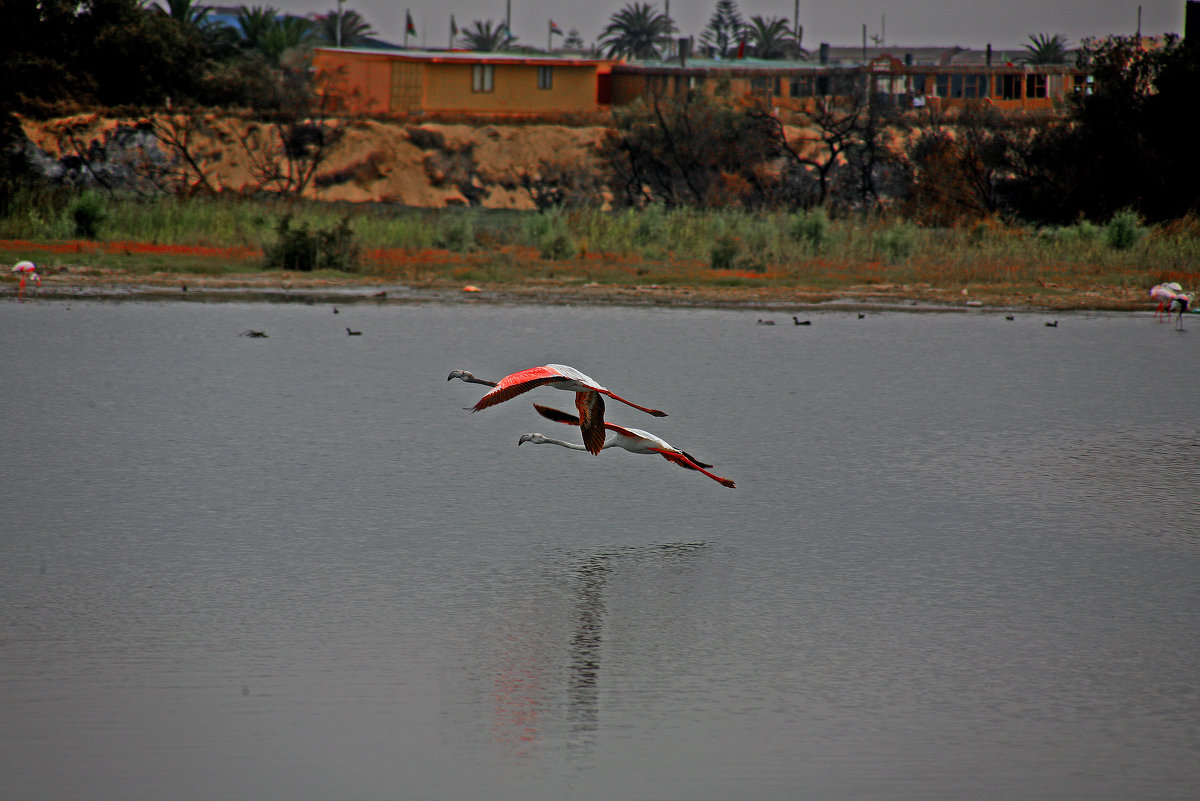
1010, 87
916, 84
482, 78
1035, 85
802, 86
943, 85
763, 85
545, 77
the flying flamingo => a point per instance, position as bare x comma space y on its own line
633, 440
26, 269
588, 396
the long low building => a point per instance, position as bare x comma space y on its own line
406, 82
454, 82
1010, 86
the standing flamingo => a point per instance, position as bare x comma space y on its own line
1164, 294
26, 270
587, 391
633, 440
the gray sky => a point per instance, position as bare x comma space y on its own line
969, 23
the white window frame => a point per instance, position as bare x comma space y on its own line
483, 77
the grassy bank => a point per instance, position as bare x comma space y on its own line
680, 248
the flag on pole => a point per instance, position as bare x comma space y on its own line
453, 26
555, 29
409, 28
742, 49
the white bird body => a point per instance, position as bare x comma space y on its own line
26, 270
634, 440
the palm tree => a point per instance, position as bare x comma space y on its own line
188, 12
484, 38
637, 31
725, 30
1044, 49
265, 31
355, 30
771, 38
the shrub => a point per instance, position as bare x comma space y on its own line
302, 250
898, 242
457, 236
724, 253
811, 228
89, 213
1124, 231
558, 244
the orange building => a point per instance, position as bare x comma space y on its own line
410, 82
794, 85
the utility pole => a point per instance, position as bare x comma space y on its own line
339, 24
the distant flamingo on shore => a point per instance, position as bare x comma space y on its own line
26, 270
1171, 300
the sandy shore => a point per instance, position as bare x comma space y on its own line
84, 283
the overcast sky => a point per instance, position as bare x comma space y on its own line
969, 23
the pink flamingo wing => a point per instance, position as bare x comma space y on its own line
513, 385
683, 461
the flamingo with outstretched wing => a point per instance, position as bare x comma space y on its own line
589, 394
633, 440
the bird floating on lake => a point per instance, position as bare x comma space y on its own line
798, 321
353, 333
766, 322
588, 396
633, 440
1052, 325
252, 334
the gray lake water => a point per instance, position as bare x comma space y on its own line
962, 560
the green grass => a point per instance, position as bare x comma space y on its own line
653, 245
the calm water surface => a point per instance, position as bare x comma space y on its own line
962, 560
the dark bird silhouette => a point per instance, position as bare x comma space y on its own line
766, 322
252, 334
1052, 325
1009, 317
798, 321
335, 310
354, 333
861, 316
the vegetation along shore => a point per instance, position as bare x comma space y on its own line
649, 255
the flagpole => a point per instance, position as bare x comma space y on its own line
407, 20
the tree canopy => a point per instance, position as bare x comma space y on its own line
637, 31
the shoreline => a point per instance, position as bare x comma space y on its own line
282, 287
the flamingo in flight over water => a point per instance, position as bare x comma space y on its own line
633, 440
588, 396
